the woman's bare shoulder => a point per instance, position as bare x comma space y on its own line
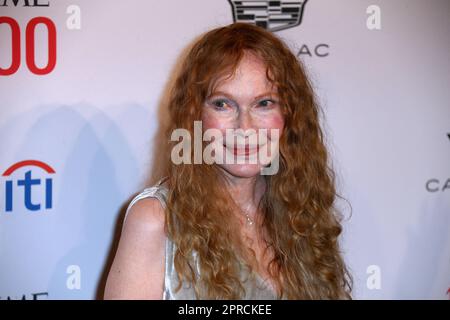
145, 214
137, 271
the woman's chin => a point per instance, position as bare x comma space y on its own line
242, 170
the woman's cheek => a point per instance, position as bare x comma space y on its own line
210, 120
278, 122
274, 121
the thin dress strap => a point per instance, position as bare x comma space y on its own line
157, 191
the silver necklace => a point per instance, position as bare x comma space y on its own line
247, 216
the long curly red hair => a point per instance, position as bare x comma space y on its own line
300, 221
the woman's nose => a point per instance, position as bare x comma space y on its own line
245, 120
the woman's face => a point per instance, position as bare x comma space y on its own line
243, 105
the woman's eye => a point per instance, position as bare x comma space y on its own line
266, 103
219, 104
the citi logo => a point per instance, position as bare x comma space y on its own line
29, 185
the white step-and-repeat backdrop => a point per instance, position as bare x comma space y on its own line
82, 92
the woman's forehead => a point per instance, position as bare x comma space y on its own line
249, 72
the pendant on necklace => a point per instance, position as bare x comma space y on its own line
249, 220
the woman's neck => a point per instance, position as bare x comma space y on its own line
246, 192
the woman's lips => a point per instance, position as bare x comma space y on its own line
243, 150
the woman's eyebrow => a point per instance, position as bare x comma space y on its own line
228, 95
266, 94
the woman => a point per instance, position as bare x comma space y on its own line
226, 230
